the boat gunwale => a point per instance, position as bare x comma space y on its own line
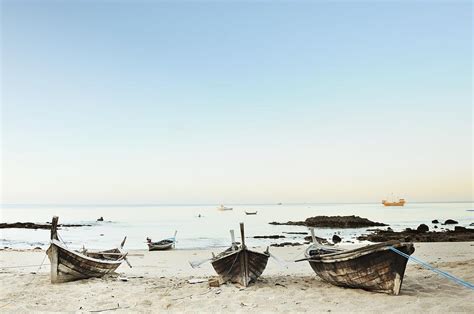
96, 260
353, 253
219, 256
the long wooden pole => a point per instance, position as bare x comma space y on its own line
232, 237
54, 228
242, 234
53, 251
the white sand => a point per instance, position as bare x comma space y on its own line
159, 281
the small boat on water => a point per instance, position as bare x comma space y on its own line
162, 245
238, 264
222, 207
68, 265
250, 213
373, 267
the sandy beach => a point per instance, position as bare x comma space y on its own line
159, 281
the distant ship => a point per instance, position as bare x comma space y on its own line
400, 202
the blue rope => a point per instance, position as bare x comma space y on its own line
438, 271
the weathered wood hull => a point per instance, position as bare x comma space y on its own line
68, 265
160, 247
242, 266
375, 267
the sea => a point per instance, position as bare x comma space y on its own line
204, 226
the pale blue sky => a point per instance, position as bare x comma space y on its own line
208, 101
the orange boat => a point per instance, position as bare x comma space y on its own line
400, 202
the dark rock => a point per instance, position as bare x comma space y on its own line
333, 222
460, 234
305, 233
450, 222
32, 225
422, 228
471, 224
320, 240
435, 221
389, 229
336, 238
286, 244
462, 229
100, 219
436, 227
275, 236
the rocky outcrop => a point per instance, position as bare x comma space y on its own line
333, 222
460, 234
274, 236
286, 244
32, 225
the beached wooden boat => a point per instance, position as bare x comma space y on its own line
250, 213
373, 267
238, 264
69, 265
162, 245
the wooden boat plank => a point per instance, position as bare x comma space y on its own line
68, 265
242, 265
373, 268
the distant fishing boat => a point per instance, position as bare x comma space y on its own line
250, 213
401, 202
68, 265
162, 245
238, 264
374, 267
222, 207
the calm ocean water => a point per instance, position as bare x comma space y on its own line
211, 229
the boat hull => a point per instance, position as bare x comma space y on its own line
160, 247
374, 268
242, 266
68, 265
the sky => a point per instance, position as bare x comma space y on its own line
235, 101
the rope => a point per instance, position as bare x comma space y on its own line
27, 284
438, 271
23, 266
60, 238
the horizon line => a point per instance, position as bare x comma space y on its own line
213, 204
